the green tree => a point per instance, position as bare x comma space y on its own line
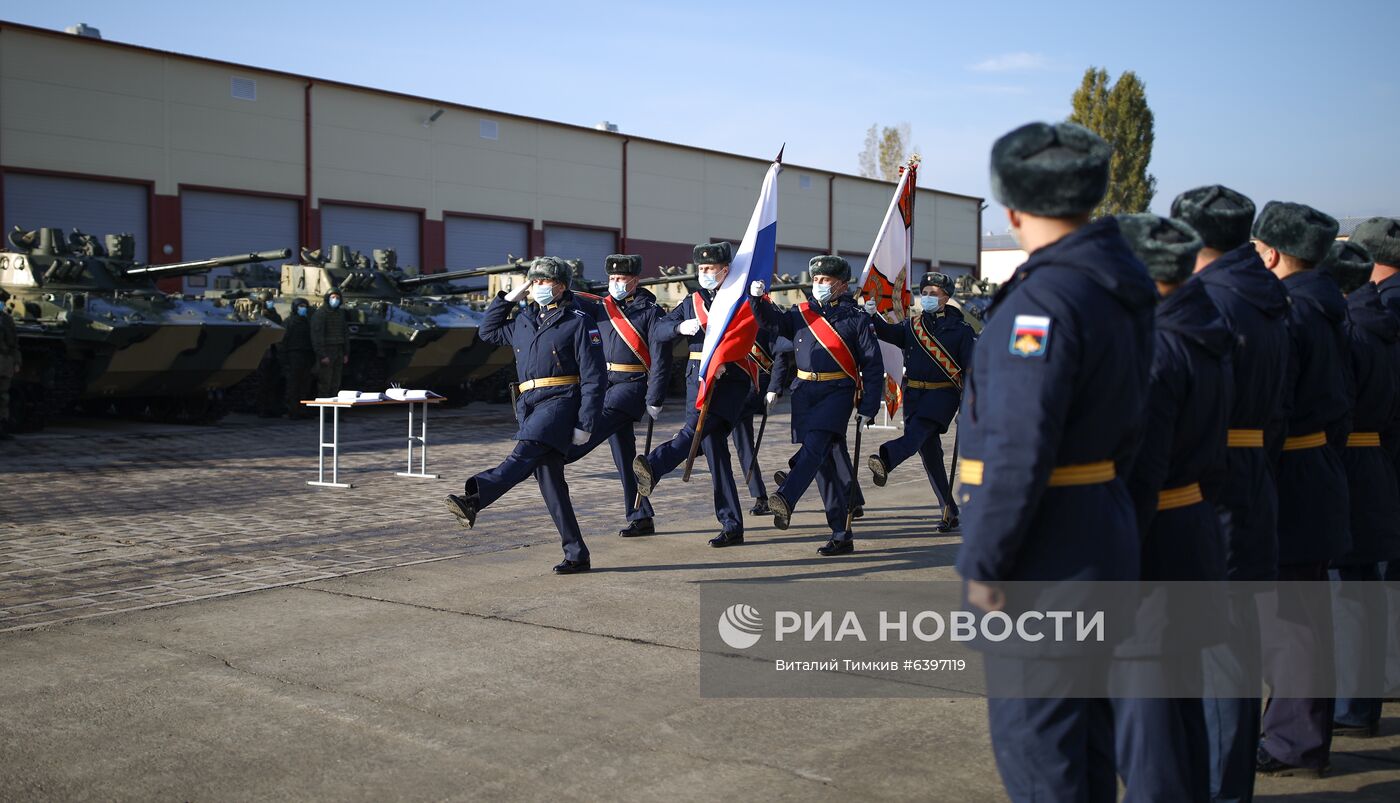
886, 149
1119, 113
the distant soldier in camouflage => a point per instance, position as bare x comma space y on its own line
9, 363
298, 358
270, 368
330, 336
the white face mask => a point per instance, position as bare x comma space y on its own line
930, 303
821, 292
709, 281
617, 290
543, 294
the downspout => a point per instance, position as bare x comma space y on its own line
830, 214
622, 238
977, 274
306, 201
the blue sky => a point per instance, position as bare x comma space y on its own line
1287, 100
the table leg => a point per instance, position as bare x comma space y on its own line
421, 439
334, 446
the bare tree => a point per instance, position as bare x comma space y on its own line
886, 150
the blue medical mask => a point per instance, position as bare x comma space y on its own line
302, 311
709, 281
543, 294
930, 303
821, 292
335, 302
617, 290
269, 304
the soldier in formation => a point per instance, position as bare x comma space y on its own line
330, 338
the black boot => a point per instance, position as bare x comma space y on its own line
782, 511
567, 566
642, 469
760, 507
834, 547
879, 470
727, 539
638, 527
463, 507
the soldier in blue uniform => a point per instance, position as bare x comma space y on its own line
1314, 516
1053, 408
1254, 306
559, 362
937, 350
839, 371
1381, 237
1161, 742
637, 375
774, 358
1359, 603
727, 398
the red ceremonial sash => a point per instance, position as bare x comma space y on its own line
826, 335
931, 346
627, 331
748, 365
758, 355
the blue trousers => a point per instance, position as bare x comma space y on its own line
743, 447
822, 456
618, 429
665, 458
923, 436
1232, 723
1360, 630
533, 457
1297, 647
1161, 749
1054, 748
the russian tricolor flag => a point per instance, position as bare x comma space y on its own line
732, 327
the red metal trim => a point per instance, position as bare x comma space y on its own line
622, 236
306, 227
434, 249
442, 103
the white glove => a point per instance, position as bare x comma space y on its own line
581, 437
863, 420
757, 289
770, 398
720, 371
654, 412
870, 307
689, 327
518, 292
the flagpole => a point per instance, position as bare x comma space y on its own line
695, 442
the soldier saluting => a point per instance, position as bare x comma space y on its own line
1053, 407
559, 362
937, 347
636, 377
839, 371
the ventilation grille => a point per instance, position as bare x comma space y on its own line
243, 88
489, 129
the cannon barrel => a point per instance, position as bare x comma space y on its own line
517, 266
198, 265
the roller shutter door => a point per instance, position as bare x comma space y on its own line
476, 242
216, 224
857, 263
590, 245
955, 269
793, 261
96, 207
363, 229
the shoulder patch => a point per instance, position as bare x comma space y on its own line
1030, 335
594, 337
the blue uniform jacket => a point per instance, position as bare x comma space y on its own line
957, 337
1074, 394
1184, 438
564, 341
731, 391
827, 406
1374, 337
1314, 517
780, 378
631, 392
1254, 306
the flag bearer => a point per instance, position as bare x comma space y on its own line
937, 347
839, 371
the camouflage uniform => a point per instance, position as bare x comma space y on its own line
330, 335
298, 360
9, 362
270, 368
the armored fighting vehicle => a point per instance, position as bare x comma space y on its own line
974, 296
95, 330
398, 334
